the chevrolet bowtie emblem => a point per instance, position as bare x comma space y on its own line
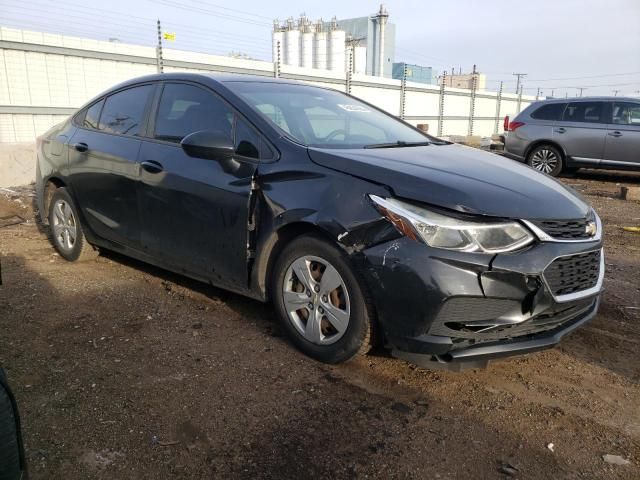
591, 229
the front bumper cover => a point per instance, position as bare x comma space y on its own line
438, 307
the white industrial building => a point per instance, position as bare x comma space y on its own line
365, 45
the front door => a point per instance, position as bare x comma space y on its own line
622, 145
103, 166
194, 211
582, 131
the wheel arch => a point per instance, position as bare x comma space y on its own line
50, 186
274, 245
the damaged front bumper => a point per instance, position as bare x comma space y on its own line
445, 309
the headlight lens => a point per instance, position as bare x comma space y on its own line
441, 231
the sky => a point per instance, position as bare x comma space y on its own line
560, 44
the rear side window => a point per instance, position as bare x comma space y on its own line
588, 112
123, 112
93, 115
625, 113
186, 109
550, 111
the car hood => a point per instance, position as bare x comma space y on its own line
459, 178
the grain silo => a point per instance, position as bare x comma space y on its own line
336, 45
291, 44
306, 43
320, 47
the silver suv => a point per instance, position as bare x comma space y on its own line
553, 136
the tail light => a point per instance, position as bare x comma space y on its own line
511, 126
514, 126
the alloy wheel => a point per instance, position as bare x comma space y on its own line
316, 300
65, 228
544, 160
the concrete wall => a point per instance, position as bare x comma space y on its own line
44, 78
17, 164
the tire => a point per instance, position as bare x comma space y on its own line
546, 159
10, 445
334, 340
67, 235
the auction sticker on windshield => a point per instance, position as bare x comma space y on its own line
353, 108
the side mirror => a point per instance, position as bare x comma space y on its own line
208, 144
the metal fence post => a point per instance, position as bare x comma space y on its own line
498, 107
159, 60
350, 70
276, 64
441, 104
472, 107
403, 91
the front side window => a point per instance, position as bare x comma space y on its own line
186, 109
625, 113
123, 112
318, 117
588, 112
551, 111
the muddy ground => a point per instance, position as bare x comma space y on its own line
124, 371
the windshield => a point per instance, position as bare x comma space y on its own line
317, 117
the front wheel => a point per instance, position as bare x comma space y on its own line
546, 159
321, 302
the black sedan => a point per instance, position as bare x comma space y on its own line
358, 227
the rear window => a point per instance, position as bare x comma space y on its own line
123, 111
588, 112
550, 111
92, 115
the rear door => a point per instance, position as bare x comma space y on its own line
622, 146
194, 211
583, 130
103, 166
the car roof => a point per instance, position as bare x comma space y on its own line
588, 99
207, 78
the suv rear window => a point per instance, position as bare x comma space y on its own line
550, 111
584, 112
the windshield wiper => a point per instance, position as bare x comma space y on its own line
398, 144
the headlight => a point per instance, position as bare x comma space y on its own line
441, 231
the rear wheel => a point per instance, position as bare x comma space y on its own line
321, 302
66, 230
546, 159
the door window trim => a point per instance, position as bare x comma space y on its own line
154, 111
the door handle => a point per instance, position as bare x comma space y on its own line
615, 134
152, 166
81, 147
560, 130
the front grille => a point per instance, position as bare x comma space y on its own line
565, 229
572, 274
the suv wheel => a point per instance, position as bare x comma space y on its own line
321, 302
546, 159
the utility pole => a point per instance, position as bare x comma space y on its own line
581, 89
159, 61
520, 98
538, 94
519, 76
552, 90
615, 93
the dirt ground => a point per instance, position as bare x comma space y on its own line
124, 371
